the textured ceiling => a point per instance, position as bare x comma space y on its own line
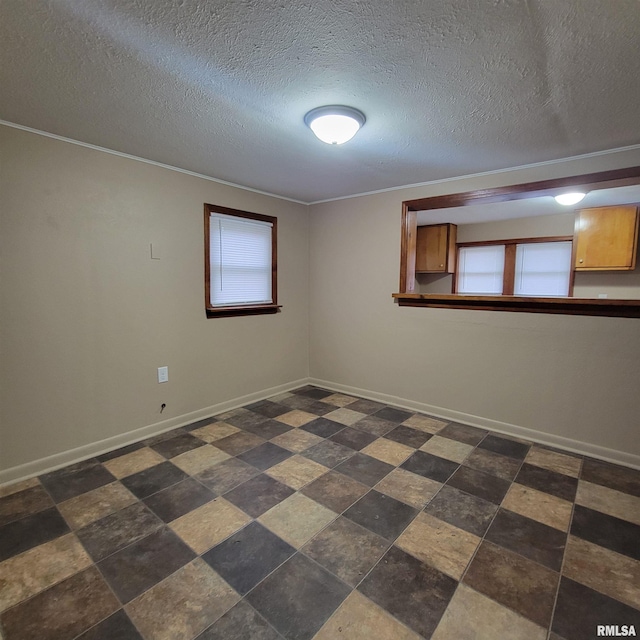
449, 87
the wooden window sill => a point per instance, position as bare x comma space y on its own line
242, 310
569, 306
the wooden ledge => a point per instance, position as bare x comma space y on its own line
568, 306
242, 310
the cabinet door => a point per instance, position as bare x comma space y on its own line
433, 251
606, 239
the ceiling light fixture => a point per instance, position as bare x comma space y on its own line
568, 199
334, 124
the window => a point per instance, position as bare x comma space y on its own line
240, 262
535, 267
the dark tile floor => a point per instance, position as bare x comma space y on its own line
319, 515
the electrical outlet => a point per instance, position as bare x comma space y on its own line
163, 374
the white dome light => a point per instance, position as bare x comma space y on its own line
334, 124
568, 199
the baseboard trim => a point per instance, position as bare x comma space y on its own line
64, 458
560, 442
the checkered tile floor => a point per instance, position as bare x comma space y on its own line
319, 515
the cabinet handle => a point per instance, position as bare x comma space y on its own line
581, 260
442, 265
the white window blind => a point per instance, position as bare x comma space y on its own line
480, 270
543, 269
240, 257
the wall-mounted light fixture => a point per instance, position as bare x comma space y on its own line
568, 199
334, 124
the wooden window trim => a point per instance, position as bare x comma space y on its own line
509, 272
573, 306
229, 311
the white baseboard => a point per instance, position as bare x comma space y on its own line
549, 439
64, 458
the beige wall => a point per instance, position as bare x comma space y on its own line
86, 316
568, 377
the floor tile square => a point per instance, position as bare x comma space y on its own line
297, 519
553, 461
408, 436
366, 406
172, 447
339, 400
313, 392
463, 433
612, 476
298, 598
428, 424
392, 414
439, 544
143, 564
23, 503
364, 469
346, 549
242, 622
493, 463
30, 531
265, 455
297, 440
580, 610
172, 433
296, 418
93, 505
198, 424
335, 491
353, 438
215, 431
514, 581
505, 446
226, 475
268, 408
303, 403
360, 619
388, 451
118, 530
209, 524
268, 429
9, 489
37, 569
322, 427
529, 538
539, 506
199, 459
381, 514
374, 426
155, 479
328, 453
184, 604
116, 627
175, 501
238, 442
412, 591
76, 479
479, 484
345, 416
133, 462
64, 611
605, 571
471, 616
259, 494
607, 531
462, 510
557, 484
429, 466
296, 472
408, 487
614, 503
243, 418
447, 449
248, 556
117, 453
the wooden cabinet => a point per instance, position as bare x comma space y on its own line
436, 248
606, 239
